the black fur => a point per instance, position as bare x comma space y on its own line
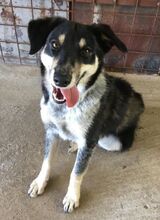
82, 160
116, 104
106, 37
38, 31
94, 77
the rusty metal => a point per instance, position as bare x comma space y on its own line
72, 11
14, 24
151, 37
131, 32
114, 11
33, 18
2, 53
92, 9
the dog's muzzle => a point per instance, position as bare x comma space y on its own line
61, 93
62, 77
68, 95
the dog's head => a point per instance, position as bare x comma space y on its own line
72, 52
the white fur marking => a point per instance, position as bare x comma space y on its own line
44, 112
71, 200
38, 185
48, 61
110, 143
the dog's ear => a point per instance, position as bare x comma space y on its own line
106, 38
39, 29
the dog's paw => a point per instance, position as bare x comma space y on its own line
70, 203
37, 187
73, 147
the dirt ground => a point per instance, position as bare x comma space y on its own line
118, 186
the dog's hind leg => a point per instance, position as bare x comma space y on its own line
73, 147
38, 185
110, 143
127, 136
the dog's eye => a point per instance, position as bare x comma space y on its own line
87, 51
55, 45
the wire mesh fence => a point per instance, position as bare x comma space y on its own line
136, 22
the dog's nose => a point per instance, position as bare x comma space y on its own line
62, 80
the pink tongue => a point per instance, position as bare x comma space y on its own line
71, 95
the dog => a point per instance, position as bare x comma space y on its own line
81, 102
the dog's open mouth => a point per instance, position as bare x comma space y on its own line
68, 95
58, 96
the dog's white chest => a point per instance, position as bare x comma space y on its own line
75, 124
69, 125
69, 129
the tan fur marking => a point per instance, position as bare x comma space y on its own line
82, 42
61, 38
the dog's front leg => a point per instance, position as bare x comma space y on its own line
71, 200
39, 183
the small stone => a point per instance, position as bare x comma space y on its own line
146, 206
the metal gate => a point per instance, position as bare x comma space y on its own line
136, 22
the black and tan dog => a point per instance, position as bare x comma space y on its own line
80, 102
